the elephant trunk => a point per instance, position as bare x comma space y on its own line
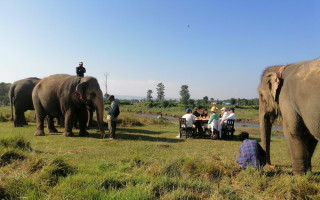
265, 130
98, 104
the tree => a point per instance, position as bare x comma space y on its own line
4, 89
149, 95
205, 101
185, 95
233, 101
160, 92
191, 102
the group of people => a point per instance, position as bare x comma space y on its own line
113, 110
251, 153
217, 122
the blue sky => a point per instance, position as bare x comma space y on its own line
218, 48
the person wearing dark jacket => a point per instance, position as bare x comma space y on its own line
80, 70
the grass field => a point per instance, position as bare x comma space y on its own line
146, 161
243, 113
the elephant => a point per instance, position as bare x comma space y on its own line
68, 96
20, 95
291, 92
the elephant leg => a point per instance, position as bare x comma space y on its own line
83, 118
24, 121
75, 122
51, 128
18, 121
298, 141
68, 124
40, 125
311, 144
61, 122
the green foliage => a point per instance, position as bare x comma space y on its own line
55, 169
7, 156
185, 94
4, 90
17, 142
149, 95
160, 92
126, 119
145, 162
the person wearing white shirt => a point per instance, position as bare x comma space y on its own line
190, 119
231, 115
224, 115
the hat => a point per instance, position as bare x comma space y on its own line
224, 108
188, 110
214, 109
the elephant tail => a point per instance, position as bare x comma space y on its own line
11, 97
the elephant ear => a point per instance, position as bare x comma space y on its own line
273, 83
80, 89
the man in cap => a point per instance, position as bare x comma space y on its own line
190, 119
113, 113
80, 70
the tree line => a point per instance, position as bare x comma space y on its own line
204, 102
4, 90
184, 100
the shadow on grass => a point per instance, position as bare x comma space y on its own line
128, 134
142, 131
122, 136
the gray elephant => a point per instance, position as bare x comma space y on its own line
20, 95
66, 95
292, 91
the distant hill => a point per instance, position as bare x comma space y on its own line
4, 89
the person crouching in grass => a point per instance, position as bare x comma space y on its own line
251, 153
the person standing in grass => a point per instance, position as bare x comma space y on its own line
251, 153
113, 113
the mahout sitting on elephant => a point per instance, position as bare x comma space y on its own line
64, 95
20, 95
292, 91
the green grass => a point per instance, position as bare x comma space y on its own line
243, 113
144, 162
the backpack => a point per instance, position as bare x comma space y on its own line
117, 112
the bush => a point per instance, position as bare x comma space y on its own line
7, 156
15, 142
54, 170
127, 119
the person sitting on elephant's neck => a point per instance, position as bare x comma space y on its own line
80, 70
251, 153
112, 117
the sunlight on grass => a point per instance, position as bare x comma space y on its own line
146, 161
